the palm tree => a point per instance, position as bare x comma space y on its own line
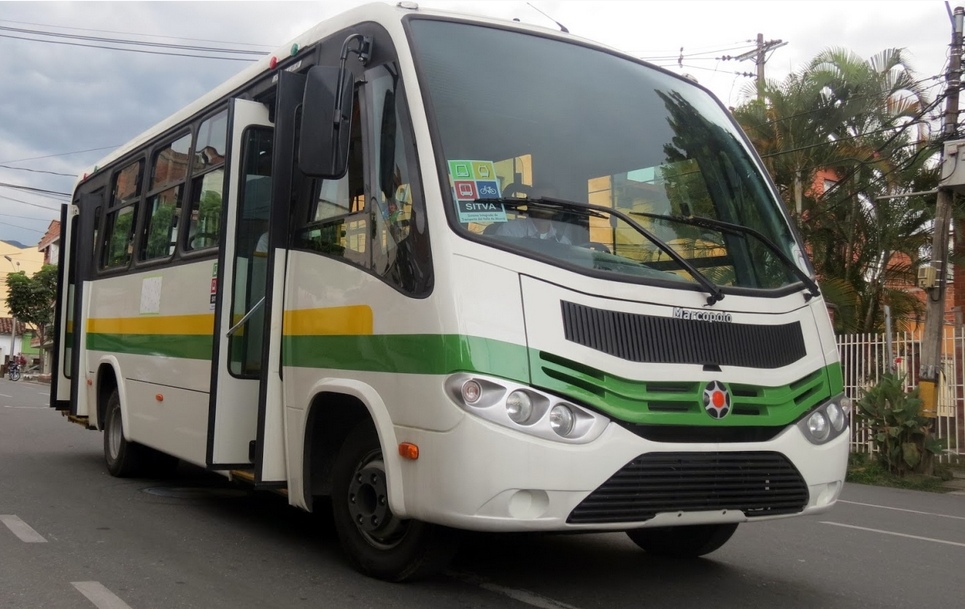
862, 120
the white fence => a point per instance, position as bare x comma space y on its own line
865, 357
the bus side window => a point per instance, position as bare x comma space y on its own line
119, 229
169, 171
207, 184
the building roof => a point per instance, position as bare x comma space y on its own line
52, 235
6, 325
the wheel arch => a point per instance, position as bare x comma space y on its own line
335, 409
107, 379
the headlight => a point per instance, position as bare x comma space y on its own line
524, 409
819, 427
827, 421
836, 417
562, 419
519, 406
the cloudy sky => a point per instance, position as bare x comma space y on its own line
66, 100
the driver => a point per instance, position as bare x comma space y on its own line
538, 223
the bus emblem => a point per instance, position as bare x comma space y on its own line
716, 400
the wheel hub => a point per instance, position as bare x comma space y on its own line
368, 501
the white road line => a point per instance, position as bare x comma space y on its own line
99, 595
885, 507
24, 407
524, 596
851, 526
4, 395
21, 529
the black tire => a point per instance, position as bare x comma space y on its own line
15, 375
123, 458
376, 542
683, 542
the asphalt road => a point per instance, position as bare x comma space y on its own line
73, 537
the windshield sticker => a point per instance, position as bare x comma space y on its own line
472, 182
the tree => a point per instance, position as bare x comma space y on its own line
31, 299
862, 122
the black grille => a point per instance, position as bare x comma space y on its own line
669, 340
756, 483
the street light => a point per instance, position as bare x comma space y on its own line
13, 333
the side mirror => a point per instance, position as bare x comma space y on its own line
326, 123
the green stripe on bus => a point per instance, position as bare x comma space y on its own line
409, 354
189, 346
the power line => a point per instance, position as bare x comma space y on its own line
48, 156
144, 43
53, 173
144, 51
34, 190
80, 29
29, 203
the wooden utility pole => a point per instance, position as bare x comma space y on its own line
929, 375
759, 55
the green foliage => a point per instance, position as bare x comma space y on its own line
863, 469
842, 139
899, 431
31, 299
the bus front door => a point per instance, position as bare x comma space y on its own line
243, 302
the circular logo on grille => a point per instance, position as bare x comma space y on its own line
716, 400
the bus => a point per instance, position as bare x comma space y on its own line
455, 274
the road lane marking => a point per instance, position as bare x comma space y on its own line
21, 529
24, 407
885, 507
4, 395
524, 596
851, 526
99, 595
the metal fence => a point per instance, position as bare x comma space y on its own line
865, 357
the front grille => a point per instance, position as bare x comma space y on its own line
669, 340
756, 483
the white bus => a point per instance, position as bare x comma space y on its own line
455, 274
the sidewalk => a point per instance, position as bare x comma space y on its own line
956, 486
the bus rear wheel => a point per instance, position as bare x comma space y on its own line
684, 541
122, 458
378, 543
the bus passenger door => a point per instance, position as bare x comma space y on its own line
242, 301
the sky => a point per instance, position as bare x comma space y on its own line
64, 106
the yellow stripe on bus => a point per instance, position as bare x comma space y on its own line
168, 324
337, 321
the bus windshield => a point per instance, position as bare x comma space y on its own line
522, 117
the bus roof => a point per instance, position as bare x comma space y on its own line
382, 13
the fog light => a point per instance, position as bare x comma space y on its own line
819, 427
562, 419
519, 406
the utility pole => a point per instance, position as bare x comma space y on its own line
759, 55
929, 375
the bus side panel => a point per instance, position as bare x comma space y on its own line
157, 326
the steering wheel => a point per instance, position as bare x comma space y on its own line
518, 191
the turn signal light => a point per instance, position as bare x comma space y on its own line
408, 450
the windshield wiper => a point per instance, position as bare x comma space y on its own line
740, 230
551, 203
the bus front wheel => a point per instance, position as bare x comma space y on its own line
684, 541
378, 543
123, 458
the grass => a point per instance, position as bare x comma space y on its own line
863, 469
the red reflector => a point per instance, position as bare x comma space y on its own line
273, 63
408, 450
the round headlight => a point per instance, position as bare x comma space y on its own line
819, 427
562, 420
836, 416
519, 406
471, 391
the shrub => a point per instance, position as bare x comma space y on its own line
901, 434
